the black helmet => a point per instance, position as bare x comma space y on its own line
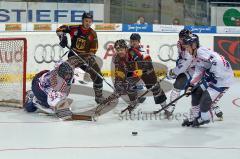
120, 44
135, 36
184, 32
64, 70
87, 15
189, 40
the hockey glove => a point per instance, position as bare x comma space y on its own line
135, 73
189, 90
64, 42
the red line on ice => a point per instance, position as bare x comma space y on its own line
119, 147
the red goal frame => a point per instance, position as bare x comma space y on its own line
24, 62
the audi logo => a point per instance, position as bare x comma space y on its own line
48, 53
168, 52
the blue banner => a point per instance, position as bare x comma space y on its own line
137, 28
202, 29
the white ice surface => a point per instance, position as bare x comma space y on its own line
35, 136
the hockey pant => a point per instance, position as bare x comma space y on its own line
204, 98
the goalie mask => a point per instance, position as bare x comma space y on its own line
65, 71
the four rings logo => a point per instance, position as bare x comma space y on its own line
168, 52
48, 53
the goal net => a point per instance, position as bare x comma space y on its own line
13, 58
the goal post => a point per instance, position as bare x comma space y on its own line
13, 66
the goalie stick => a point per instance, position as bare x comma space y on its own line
106, 101
96, 112
131, 107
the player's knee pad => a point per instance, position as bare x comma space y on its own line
205, 102
97, 85
181, 82
97, 80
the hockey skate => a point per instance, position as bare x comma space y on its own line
218, 112
187, 122
199, 121
168, 110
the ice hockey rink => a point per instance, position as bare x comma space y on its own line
38, 136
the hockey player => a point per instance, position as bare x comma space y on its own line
50, 89
132, 65
182, 72
85, 43
135, 40
216, 75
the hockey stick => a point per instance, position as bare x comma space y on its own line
158, 111
129, 107
184, 94
100, 76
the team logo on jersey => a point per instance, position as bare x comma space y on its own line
81, 43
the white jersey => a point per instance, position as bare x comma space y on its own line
185, 61
214, 67
54, 86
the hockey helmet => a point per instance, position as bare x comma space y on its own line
135, 36
87, 15
184, 32
189, 40
120, 44
66, 72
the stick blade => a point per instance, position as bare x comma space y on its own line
81, 117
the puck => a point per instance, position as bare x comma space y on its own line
134, 133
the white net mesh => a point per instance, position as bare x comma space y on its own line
11, 71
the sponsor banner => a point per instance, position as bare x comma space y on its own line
202, 29
167, 28
40, 12
228, 30
42, 27
225, 16
107, 27
229, 47
13, 27
137, 28
44, 51
237, 73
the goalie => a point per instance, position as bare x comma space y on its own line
50, 90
